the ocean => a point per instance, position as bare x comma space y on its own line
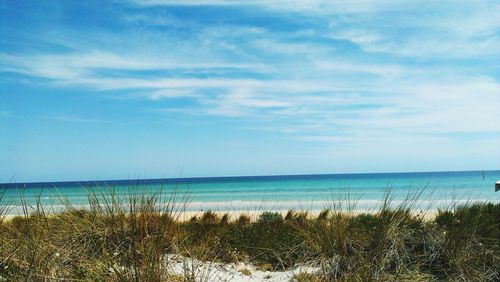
283, 192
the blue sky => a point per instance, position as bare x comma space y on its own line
129, 89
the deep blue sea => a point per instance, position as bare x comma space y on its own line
312, 192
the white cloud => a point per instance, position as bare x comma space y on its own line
460, 30
316, 6
403, 100
305, 86
169, 93
76, 119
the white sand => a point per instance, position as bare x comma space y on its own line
214, 272
254, 215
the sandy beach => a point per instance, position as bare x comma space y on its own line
254, 215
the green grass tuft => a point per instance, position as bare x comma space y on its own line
127, 238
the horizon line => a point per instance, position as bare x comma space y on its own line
195, 178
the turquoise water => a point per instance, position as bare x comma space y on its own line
313, 192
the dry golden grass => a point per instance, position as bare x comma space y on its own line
128, 238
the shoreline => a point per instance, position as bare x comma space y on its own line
185, 216
311, 214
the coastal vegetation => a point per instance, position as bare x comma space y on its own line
137, 238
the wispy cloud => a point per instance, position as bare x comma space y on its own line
341, 66
470, 30
216, 85
315, 6
75, 119
5, 113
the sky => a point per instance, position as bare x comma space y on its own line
93, 90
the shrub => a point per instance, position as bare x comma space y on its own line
271, 217
209, 217
225, 219
243, 219
306, 277
246, 271
323, 215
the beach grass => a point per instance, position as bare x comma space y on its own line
132, 238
